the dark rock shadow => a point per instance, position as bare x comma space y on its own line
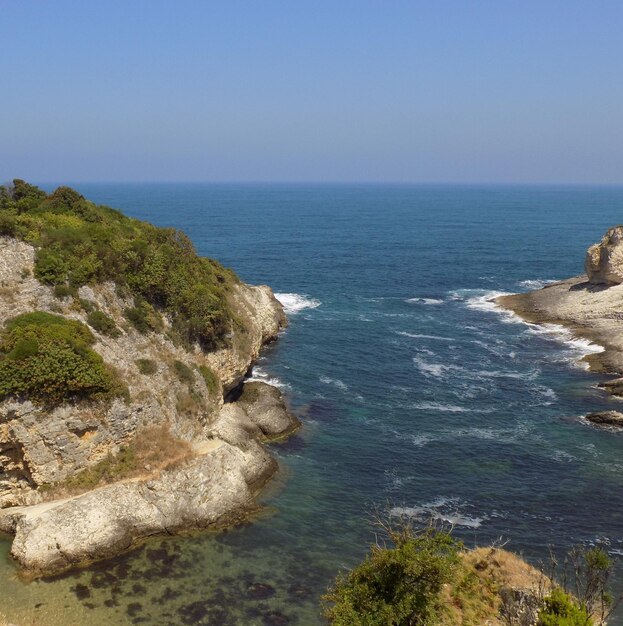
590, 287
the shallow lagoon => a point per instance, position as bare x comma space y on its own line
413, 389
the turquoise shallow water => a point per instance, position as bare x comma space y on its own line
414, 391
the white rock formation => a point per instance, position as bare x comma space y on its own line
604, 260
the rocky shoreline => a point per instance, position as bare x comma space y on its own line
182, 392
590, 306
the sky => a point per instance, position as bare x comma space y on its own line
458, 91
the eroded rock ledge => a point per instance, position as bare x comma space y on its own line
215, 487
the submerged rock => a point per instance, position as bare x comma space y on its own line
612, 419
604, 260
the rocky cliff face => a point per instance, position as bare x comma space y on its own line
604, 260
181, 390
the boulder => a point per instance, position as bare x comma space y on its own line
604, 260
265, 408
611, 419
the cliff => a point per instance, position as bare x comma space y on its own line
114, 367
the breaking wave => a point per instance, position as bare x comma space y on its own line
294, 302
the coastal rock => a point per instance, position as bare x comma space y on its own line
611, 419
40, 446
604, 260
181, 390
264, 406
214, 488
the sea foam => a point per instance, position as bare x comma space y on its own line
295, 302
430, 301
260, 375
443, 509
578, 346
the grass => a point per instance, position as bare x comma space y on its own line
184, 373
146, 366
154, 449
211, 380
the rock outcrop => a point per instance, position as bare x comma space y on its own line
604, 260
182, 389
607, 419
215, 487
265, 408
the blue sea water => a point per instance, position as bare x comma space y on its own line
414, 390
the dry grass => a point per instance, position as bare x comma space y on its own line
475, 599
153, 450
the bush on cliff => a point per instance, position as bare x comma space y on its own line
398, 585
560, 609
103, 324
48, 359
425, 578
79, 243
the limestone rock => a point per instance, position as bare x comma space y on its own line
612, 419
43, 446
264, 407
214, 488
604, 260
40, 445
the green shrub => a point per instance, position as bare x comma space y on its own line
183, 372
143, 317
63, 291
399, 585
48, 359
146, 366
79, 243
86, 305
103, 324
561, 610
210, 378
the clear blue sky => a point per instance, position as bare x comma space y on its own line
320, 90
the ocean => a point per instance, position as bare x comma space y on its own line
415, 392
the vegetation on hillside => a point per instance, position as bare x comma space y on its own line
79, 243
426, 578
47, 358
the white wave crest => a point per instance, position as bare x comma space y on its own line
443, 509
419, 441
438, 406
260, 375
335, 382
295, 302
538, 283
418, 336
579, 347
434, 370
431, 301
486, 302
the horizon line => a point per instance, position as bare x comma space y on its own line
332, 182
